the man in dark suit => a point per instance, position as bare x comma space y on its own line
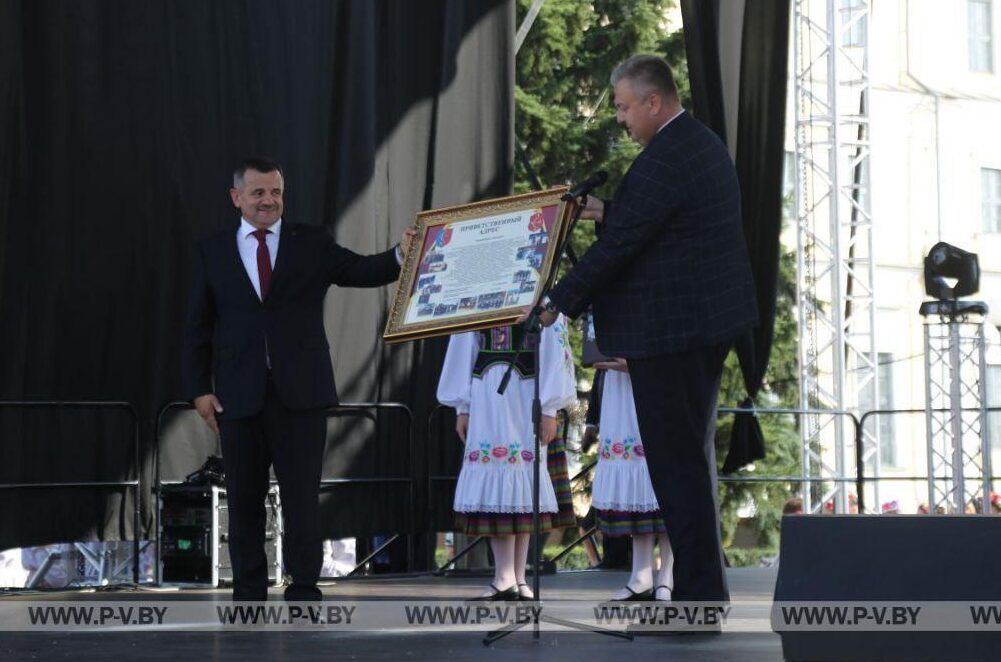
257, 366
670, 282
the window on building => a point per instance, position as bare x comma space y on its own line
994, 400
887, 433
979, 35
883, 424
853, 13
990, 197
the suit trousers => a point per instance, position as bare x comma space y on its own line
293, 441
676, 397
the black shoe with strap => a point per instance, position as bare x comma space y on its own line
635, 596
498, 595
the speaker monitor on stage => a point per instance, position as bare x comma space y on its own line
945, 567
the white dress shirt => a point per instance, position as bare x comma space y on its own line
673, 117
247, 243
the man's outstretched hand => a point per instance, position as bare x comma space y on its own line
407, 239
594, 210
208, 406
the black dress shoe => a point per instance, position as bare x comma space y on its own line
635, 596
301, 593
510, 593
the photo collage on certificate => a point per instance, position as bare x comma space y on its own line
476, 266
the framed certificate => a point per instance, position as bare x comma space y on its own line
477, 266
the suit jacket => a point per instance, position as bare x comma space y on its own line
669, 271
231, 334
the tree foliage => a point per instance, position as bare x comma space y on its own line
564, 115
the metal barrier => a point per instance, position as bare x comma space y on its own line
803, 477
987, 478
360, 408
860, 478
342, 409
430, 478
433, 478
134, 484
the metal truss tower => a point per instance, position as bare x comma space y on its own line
834, 242
955, 414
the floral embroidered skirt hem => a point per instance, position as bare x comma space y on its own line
501, 524
614, 523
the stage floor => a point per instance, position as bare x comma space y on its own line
749, 640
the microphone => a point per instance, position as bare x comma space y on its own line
585, 187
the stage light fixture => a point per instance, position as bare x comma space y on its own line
946, 262
951, 273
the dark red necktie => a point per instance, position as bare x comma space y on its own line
263, 261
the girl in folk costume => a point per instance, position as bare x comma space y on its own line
493, 496
622, 494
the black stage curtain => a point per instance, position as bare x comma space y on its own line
760, 154
120, 121
701, 21
759, 160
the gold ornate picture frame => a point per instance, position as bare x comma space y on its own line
477, 266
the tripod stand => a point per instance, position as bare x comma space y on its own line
533, 341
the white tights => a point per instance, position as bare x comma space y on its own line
642, 578
510, 558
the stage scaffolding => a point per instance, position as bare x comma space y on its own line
959, 444
836, 308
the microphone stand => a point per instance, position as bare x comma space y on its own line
532, 341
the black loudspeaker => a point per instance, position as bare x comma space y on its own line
901, 559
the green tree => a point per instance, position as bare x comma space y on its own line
563, 102
565, 120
